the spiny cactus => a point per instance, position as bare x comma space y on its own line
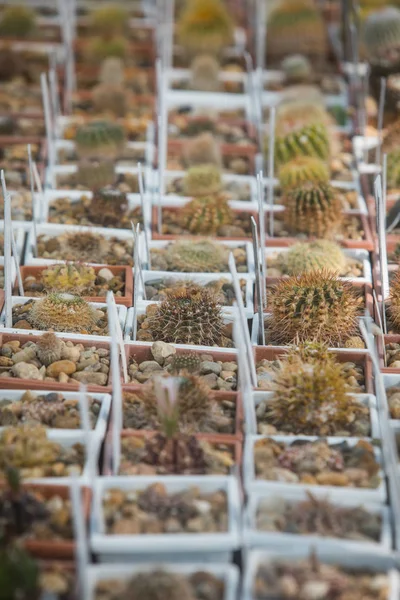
381, 36
95, 175
314, 209
205, 26
86, 246
310, 396
187, 361
63, 312
99, 139
355, 341
204, 74
73, 278
107, 207
99, 49
308, 140
190, 315
110, 20
201, 256
297, 26
302, 169
394, 306
393, 169
17, 21
109, 95
314, 306
297, 69
158, 585
206, 215
202, 150
313, 256
202, 180
49, 348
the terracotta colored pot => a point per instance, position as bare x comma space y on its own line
16, 383
359, 358
51, 548
125, 300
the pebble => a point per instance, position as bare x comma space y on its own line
211, 380
330, 478
26, 371
91, 378
61, 366
63, 378
161, 351
210, 367
5, 362
149, 366
105, 274
24, 355
71, 353
229, 366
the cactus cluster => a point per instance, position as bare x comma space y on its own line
74, 278
94, 175
206, 215
204, 74
202, 150
202, 180
314, 306
63, 312
189, 315
205, 26
314, 209
302, 169
109, 95
313, 256
296, 27
202, 256
17, 21
99, 140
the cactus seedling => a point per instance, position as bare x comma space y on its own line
205, 216
204, 74
303, 169
202, 180
63, 312
314, 209
314, 306
73, 278
190, 315
17, 21
205, 26
202, 150
99, 139
313, 256
202, 256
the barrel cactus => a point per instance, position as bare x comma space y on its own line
311, 139
202, 180
314, 209
204, 74
381, 37
313, 306
313, 256
17, 21
63, 312
202, 150
303, 169
206, 215
99, 139
200, 256
205, 26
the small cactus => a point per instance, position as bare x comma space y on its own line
109, 95
202, 180
394, 305
112, 72
17, 21
202, 256
206, 215
313, 256
63, 312
95, 175
190, 315
303, 169
205, 26
314, 209
202, 150
187, 361
204, 74
158, 585
297, 69
110, 20
107, 206
314, 306
49, 348
381, 36
99, 139
393, 169
98, 49
72, 278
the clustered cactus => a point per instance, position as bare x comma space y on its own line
63, 312
73, 278
313, 306
304, 257
99, 140
189, 315
314, 209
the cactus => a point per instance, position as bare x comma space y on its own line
12, 65
205, 26
199, 125
297, 69
99, 139
309, 140
63, 312
310, 396
110, 20
201, 256
312, 256
314, 306
303, 169
17, 21
109, 95
86, 245
355, 341
158, 585
112, 72
314, 209
190, 315
394, 297
202, 150
19, 573
95, 175
73, 278
98, 49
393, 169
107, 207
49, 348
187, 361
202, 180
381, 37
204, 74
205, 216
296, 27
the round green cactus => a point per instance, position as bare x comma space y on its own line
17, 21
312, 256
303, 169
381, 36
206, 215
99, 49
100, 139
309, 140
205, 26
